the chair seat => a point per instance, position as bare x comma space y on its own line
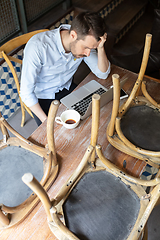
141, 126
14, 162
101, 207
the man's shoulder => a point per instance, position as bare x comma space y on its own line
41, 40
43, 36
46, 40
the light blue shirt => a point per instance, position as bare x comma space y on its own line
47, 69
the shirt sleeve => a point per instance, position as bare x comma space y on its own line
92, 62
31, 66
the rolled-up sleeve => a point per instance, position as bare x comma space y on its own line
31, 67
92, 62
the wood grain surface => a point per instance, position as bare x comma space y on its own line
70, 147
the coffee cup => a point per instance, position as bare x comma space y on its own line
69, 119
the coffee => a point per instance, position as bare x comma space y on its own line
70, 121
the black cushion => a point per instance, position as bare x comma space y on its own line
101, 207
141, 126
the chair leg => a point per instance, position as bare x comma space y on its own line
3, 129
116, 101
145, 233
32, 182
145, 56
3, 219
95, 124
23, 116
54, 221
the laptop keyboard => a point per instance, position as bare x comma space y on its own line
83, 104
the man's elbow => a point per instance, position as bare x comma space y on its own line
106, 74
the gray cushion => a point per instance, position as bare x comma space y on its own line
14, 162
101, 207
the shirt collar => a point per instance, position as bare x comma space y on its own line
59, 41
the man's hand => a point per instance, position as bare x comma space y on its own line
102, 41
37, 110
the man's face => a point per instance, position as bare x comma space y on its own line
82, 48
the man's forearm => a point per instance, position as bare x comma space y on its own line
103, 62
37, 110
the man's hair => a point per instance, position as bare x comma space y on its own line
88, 23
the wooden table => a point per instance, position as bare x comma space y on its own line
71, 146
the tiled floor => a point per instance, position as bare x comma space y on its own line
15, 122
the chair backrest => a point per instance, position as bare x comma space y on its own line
5, 51
14, 43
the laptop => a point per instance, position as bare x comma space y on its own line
81, 99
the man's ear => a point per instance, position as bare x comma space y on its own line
73, 35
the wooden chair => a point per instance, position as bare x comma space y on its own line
18, 155
134, 126
99, 200
8, 48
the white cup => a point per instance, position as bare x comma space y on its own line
69, 119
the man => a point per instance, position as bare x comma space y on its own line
51, 58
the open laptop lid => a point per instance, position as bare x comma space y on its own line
85, 90
81, 93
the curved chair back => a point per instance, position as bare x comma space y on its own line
5, 51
